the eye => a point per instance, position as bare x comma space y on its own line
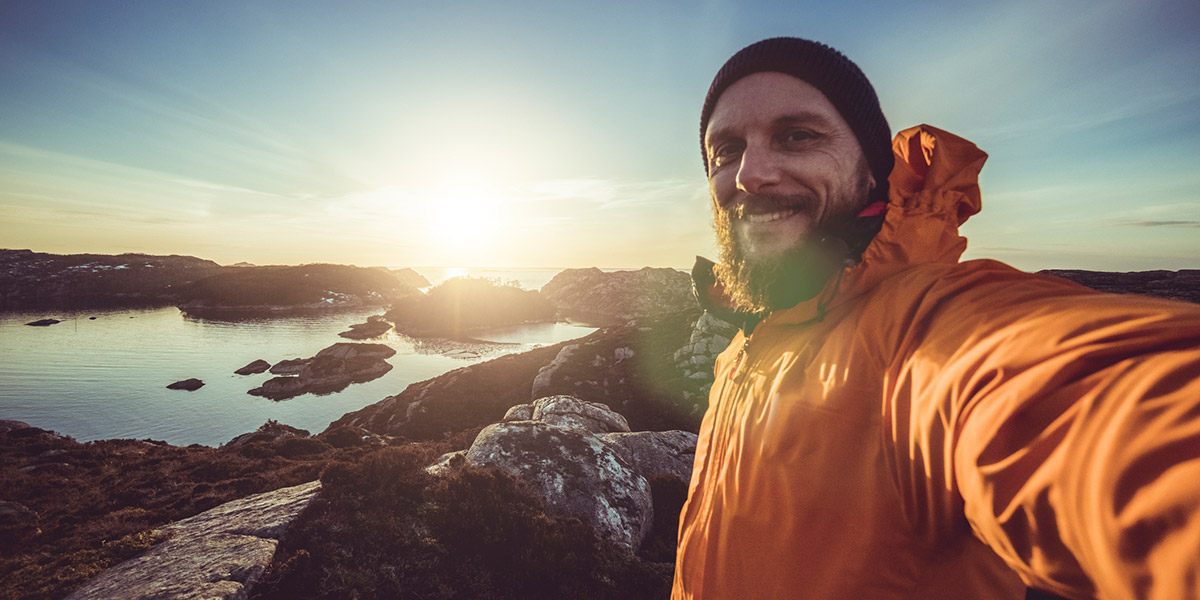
798, 135
724, 153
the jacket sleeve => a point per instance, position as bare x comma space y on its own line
1063, 423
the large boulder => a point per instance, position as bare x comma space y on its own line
581, 460
568, 411
331, 370
596, 297
657, 453
217, 554
574, 473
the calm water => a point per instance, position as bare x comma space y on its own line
106, 378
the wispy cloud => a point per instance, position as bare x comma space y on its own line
1133, 223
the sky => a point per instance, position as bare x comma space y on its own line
562, 134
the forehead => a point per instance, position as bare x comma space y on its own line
761, 99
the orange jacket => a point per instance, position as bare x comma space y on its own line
949, 430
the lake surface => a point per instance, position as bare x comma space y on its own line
106, 378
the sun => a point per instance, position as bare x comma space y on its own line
463, 215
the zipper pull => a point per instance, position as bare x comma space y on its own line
739, 363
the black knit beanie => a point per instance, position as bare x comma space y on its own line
825, 69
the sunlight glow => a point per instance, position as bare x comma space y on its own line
466, 214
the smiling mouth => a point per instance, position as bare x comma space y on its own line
768, 208
765, 217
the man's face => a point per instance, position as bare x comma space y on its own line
781, 163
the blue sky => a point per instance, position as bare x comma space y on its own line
562, 134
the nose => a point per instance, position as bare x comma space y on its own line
758, 170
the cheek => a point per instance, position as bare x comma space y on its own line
722, 188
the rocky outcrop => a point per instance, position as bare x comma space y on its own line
375, 326
254, 368
217, 554
271, 431
1176, 285
629, 368
710, 336
596, 297
289, 366
331, 370
580, 459
190, 385
7, 425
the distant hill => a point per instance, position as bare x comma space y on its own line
30, 280
457, 306
315, 286
37, 280
1176, 285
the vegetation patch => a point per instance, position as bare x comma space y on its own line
76, 509
383, 528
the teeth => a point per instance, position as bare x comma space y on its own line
768, 217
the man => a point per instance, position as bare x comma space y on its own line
891, 423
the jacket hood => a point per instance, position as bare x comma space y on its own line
933, 189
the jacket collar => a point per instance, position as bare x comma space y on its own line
933, 189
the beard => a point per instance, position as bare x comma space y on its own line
797, 273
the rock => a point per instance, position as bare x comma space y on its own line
291, 366
593, 296
253, 368
657, 453
520, 412
567, 411
18, 525
546, 374
709, 337
331, 370
351, 351
271, 431
346, 436
190, 385
374, 327
447, 462
574, 472
217, 554
43, 322
10, 425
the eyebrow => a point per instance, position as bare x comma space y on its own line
798, 118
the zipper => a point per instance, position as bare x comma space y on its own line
739, 363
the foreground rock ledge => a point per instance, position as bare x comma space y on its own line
217, 554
